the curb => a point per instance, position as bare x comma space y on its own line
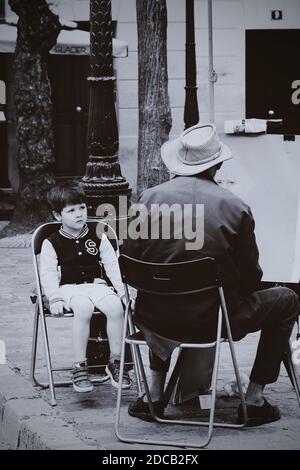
27, 422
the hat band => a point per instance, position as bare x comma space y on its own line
198, 162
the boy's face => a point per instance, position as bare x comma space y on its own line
73, 217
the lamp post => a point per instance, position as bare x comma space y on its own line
103, 181
191, 112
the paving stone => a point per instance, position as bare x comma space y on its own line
56, 435
88, 421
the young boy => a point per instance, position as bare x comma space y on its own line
72, 279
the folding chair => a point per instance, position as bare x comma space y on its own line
290, 368
42, 312
174, 279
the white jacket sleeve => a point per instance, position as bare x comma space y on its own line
111, 265
50, 274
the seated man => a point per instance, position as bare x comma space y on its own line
229, 238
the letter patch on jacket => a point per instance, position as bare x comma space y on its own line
91, 247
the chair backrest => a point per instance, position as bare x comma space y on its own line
45, 230
170, 278
41, 233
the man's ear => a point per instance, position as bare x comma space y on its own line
57, 216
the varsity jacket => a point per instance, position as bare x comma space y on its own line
66, 259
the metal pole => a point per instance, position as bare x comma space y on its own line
103, 181
191, 112
212, 76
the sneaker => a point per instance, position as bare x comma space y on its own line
140, 409
113, 370
258, 415
80, 377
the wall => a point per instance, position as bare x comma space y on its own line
230, 20
2, 92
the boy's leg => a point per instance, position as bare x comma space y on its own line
112, 308
83, 309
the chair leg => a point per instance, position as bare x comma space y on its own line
234, 361
137, 370
290, 368
122, 365
125, 438
34, 347
239, 384
53, 401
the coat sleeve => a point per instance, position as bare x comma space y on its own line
247, 255
50, 274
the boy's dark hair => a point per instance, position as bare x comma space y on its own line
64, 194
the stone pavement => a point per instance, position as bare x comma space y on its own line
27, 421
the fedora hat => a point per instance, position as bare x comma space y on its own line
194, 151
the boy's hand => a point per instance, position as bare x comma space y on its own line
57, 308
124, 302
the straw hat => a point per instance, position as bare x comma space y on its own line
194, 151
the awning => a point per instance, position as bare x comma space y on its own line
74, 42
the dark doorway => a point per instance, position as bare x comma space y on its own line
70, 97
273, 76
2, 11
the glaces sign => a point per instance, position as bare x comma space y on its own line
70, 49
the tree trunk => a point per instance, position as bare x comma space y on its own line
154, 107
38, 29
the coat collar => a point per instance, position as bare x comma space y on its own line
82, 234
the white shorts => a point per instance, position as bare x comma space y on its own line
94, 292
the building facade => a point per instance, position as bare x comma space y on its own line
255, 58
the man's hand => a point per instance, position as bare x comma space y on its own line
57, 308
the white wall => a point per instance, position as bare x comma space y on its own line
231, 18
2, 92
8, 12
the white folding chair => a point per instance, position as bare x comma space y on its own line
175, 279
42, 312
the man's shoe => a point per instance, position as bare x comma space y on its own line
80, 378
258, 415
140, 409
113, 371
